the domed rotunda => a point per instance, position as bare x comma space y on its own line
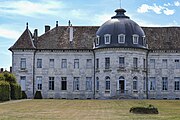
121, 54
120, 31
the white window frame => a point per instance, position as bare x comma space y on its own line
97, 40
164, 63
177, 83
152, 83
164, 83
121, 38
135, 83
135, 39
51, 63
89, 83
107, 83
23, 63
105, 39
64, 63
144, 40
39, 82
76, 84
39, 63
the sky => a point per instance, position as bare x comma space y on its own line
14, 14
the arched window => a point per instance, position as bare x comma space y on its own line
107, 38
135, 84
121, 38
135, 39
144, 41
107, 82
97, 83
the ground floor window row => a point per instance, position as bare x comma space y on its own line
121, 83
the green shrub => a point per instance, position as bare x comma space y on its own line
2, 78
144, 110
9, 77
38, 95
4, 91
15, 91
24, 96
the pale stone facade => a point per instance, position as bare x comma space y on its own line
113, 61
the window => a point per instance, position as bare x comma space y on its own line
152, 83
39, 63
144, 64
97, 63
23, 63
135, 63
76, 63
89, 63
39, 82
76, 84
164, 83
121, 62
107, 63
135, 39
97, 83
144, 41
23, 83
177, 65
107, 87
63, 83
144, 83
97, 40
135, 85
121, 38
107, 39
152, 63
51, 63
177, 83
51, 83
64, 63
164, 63
88, 83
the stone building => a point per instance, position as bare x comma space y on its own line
119, 59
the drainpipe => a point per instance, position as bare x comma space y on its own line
147, 96
94, 75
34, 72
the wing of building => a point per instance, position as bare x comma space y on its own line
119, 59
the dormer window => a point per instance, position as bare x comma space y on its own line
107, 39
97, 40
135, 39
121, 38
144, 41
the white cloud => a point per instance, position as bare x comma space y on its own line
155, 8
169, 12
9, 33
177, 3
28, 8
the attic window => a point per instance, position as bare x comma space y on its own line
107, 39
135, 39
97, 40
144, 41
121, 38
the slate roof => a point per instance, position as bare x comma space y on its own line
25, 41
158, 38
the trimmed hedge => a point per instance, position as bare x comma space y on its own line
15, 91
144, 110
24, 96
38, 95
4, 91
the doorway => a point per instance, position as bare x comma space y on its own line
121, 86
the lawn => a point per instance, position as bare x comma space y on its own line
49, 109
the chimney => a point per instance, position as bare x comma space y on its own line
69, 23
47, 28
70, 33
56, 23
2, 69
35, 33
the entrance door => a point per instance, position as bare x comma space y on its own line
23, 83
121, 86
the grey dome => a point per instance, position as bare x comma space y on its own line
121, 24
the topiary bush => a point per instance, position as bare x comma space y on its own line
144, 110
24, 96
15, 91
38, 95
4, 91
